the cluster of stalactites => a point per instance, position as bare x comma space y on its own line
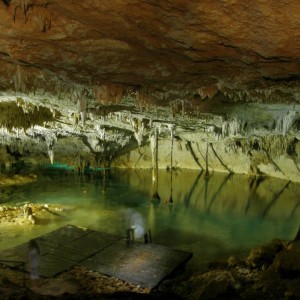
284, 124
109, 93
231, 127
36, 13
146, 99
234, 126
139, 126
208, 91
30, 80
277, 94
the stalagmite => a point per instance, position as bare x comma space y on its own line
154, 152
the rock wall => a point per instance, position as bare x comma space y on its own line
275, 156
259, 139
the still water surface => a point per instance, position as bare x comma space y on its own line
213, 218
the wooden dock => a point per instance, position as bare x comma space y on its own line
138, 263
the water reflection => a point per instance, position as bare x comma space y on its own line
214, 216
221, 214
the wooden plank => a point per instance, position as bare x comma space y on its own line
46, 243
141, 264
85, 246
51, 265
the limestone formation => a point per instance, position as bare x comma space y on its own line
86, 83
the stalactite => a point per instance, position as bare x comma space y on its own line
35, 12
109, 93
283, 125
18, 80
139, 129
146, 98
208, 91
206, 161
82, 105
51, 155
154, 152
231, 127
172, 131
50, 142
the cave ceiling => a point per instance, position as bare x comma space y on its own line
185, 47
164, 61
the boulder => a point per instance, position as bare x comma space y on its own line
287, 261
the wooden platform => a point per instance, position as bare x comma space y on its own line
138, 263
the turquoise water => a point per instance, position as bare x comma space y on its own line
214, 218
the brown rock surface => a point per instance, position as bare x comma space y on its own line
162, 43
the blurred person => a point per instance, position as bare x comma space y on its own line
34, 255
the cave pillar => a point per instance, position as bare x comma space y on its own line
154, 152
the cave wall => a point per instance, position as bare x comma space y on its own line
87, 83
237, 155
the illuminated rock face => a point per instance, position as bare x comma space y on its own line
95, 79
232, 44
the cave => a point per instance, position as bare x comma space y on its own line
182, 115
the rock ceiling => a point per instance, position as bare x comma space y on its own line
190, 46
103, 73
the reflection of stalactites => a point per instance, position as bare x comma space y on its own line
103, 189
154, 152
188, 197
253, 186
216, 195
294, 209
274, 200
297, 238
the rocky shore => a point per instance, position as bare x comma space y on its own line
30, 214
270, 271
17, 179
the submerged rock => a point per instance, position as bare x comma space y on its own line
263, 256
31, 214
287, 261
